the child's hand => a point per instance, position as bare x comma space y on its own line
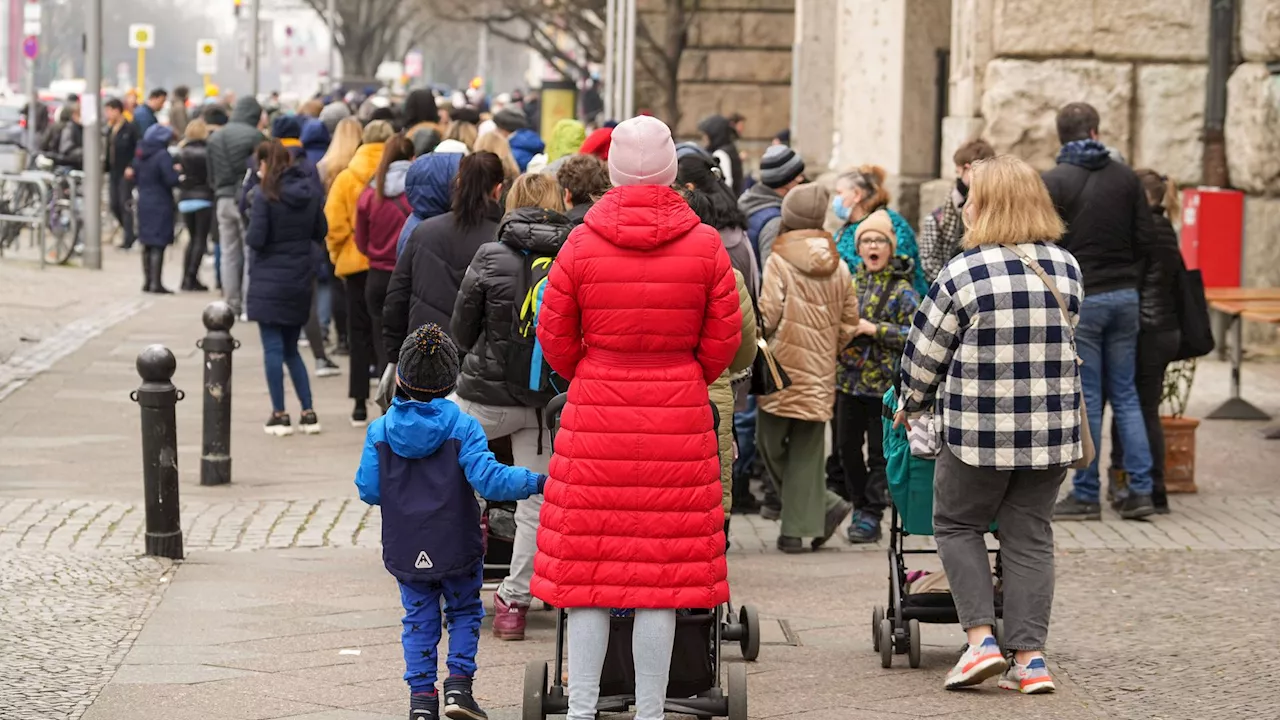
864, 327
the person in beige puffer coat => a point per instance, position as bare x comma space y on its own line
809, 311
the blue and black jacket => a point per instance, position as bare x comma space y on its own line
421, 463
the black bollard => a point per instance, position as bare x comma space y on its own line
157, 396
215, 456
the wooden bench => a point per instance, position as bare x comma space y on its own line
1260, 305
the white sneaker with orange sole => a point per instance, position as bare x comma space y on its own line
976, 664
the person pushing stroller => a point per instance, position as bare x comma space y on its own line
421, 463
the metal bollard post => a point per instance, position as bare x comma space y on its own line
217, 344
157, 397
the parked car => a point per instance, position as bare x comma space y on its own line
11, 125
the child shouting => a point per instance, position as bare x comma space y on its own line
868, 365
421, 462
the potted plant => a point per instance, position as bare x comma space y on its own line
1179, 431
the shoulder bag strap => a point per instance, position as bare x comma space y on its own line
1035, 267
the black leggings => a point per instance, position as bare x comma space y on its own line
198, 225
867, 482
375, 295
359, 335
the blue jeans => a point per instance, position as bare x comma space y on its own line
280, 348
324, 304
1107, 340
463, 610
744, 429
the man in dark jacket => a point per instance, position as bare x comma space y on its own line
122, 143
1109, 231
145, 117
229, 150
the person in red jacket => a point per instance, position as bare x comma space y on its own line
380, 214
641, 314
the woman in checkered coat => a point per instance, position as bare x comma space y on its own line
991, 353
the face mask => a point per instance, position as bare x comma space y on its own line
963, 188
837, 207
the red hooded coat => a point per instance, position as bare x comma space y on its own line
641, 314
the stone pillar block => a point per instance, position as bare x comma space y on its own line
1043, 28
1150, 29
957, 131
1253, 129
1261, 257
1259, 30
814, 79
1170, 120
971, 50
932, 195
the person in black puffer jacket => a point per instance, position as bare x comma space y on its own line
195, 201
482, 327
1161, 330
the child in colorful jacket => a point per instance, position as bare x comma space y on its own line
883, 282
421, 462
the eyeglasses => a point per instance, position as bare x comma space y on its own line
874, 240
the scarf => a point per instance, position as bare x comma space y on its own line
1088, 154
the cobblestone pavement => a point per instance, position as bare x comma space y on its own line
1198, 523
66, 623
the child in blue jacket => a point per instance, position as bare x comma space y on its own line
421, 462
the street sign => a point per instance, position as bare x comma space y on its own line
30, 47
142, 37
207, 57
413, 64
31, 18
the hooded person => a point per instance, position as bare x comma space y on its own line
428, 185
597, 143
288, 130
720, 137
333, 113
808, 311
315, 140
380, 215
640, 313
155, 179
228, 151
566, 138
525, 144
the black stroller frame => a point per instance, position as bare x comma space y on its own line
896, 630
694, 687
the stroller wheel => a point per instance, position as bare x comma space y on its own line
877, 614
913, 643
886, 643
535, 689
737, 692
749, 619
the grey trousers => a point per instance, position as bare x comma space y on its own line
652, 638
966, 500
231, 240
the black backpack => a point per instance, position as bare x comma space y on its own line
525, 366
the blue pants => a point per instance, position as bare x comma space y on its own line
280, 348
1107, 340
463, 610
744, 429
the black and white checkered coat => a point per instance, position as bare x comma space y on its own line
990, 347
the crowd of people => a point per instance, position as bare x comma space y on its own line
471, 270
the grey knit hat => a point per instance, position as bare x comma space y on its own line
333, 113
780, 166
428, 365
510, 120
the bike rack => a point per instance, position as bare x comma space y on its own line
74, 179
38, 221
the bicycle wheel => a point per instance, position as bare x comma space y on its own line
63, 245
22, 200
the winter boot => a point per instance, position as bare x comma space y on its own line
459, 703
508, 619
156, 267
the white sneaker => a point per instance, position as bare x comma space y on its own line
977, 664
1030, 679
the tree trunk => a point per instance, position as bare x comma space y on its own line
673, 50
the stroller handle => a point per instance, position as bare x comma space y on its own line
554, 408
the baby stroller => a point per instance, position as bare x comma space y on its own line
694, 687
896, 630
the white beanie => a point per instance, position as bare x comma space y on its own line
642, 153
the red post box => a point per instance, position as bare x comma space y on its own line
1212, 234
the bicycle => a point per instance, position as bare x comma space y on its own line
65, 213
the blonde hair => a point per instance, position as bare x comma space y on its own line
1161, 191
495, 143
1011, 205
346, 140
378, 131
197, 130
536, 190
463, 132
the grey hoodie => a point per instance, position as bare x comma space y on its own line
742, 257
228, 149
396, 173
760, 197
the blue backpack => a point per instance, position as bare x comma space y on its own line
756, 223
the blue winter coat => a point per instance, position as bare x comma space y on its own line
155, 178
422, 463
525, 143
315, 140
286, 237
428, 187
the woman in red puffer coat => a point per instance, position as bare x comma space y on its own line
641, 314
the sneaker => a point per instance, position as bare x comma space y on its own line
864, 530
508, 619
835, 515
424, 706
1071, 508
791, 545
309, 423
977, 664
327, 368
1030, 679
770, 512
278, 425
459, 703
359, 414
1135, 507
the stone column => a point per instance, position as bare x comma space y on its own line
813, 90
971, 50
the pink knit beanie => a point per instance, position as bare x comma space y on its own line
642, 153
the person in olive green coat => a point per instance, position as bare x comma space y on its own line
721, 391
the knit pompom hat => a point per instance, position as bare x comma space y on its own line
428, 365
641, 152
879, 223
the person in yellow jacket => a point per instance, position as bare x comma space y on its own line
352, 267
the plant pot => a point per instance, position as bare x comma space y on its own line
1179, 454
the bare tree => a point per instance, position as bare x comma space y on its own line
570, 36
370, 31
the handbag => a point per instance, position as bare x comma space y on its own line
767, 374
1193, 316
1086, 435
